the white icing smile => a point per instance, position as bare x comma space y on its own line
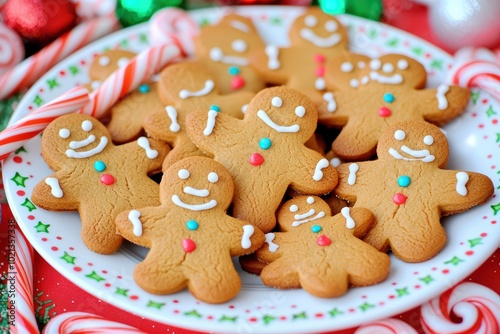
71, 153
307, 217
280, 128
322, 42
394, 79
196, 192
417, 155
209, 85
217, 55
194, 207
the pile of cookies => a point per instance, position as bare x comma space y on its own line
310, 162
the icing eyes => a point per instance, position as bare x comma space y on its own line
300, 111
183, 174
122, 62
87, 126
64, 133
402, 64
294, 208
212, 177
104, 61
239, 45
428, 140
310, 200
346, 67
375, 64
399, 135
388, 68
331, 26
276, 102
216, 54
311, 21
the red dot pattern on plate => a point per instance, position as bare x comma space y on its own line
18, 159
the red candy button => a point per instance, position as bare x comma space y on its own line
188, 245
319, 58
399, 199
324, 240
256, 159
237, 82
107, 179
320, 71
384, 112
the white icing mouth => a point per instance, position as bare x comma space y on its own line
85, 154
217, 55
386, 79
280, 128
196, 192
304, 218
194, 207
209, 85
322, 42
417, 155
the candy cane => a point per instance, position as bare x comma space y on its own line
129, 77
81, 322
11, 48
386, 326
477, 67
26, 128
172, 25
31, 69
25, 321
477, 306
88, 9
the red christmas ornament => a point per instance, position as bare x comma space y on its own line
39, 21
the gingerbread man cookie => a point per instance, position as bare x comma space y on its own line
265, 152
96, 178
408, 190
368, 95
319, 252
315, 37
190, 236
184, 88
105, 64
224, 49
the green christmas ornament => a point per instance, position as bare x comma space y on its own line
370, 9
130, 12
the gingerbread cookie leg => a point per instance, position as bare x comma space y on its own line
280, 274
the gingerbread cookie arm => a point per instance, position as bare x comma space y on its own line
356, 141
273, 247
463, 190
137, 225
351, 179
244, 238
333, 108
314, 174
280, 274
148, 151
443, 103
163, 124
127, 116
54, 193
228, 102
202, 128
268, 63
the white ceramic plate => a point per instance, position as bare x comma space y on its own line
474, 142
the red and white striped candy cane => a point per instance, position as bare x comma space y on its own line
386, 326
129, 77
173, 25
31, 69
477, 306
88, 9
25, 321
11, 48
81, 322
27, 127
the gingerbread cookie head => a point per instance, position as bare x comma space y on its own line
106, 63
302, 210
197, 187
352, 71
67, 143
422, 144
318, 30
225, 48
284, 111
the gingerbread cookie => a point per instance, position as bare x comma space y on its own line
128, 115
190, 236
265, 152
184, 88
224, 49
408, 189
319, 252
105, 64
368, 95
96, 178
315, 37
